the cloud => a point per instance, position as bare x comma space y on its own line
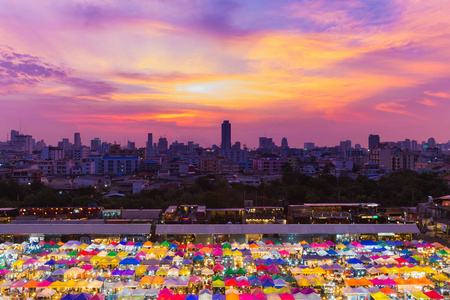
438, 94
92, 88
393, 107
22, 70
428, 102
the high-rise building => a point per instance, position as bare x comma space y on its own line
345, 145
431, 143
374, 141
226, 135
163, 145
265, 142
77, 140
131, 145
64, 144
309, 145
24, 142
95, 144
414, 146
284, 143
149, 144
14, 133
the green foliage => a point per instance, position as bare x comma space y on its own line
403, 188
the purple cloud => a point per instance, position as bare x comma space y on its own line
23, 70
93, 88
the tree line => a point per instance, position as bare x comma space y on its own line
402, 188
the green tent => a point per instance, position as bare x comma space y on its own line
229, 272
241, 271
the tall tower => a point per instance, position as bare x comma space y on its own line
284, 143
226, 135
77, 140
374, 141
149, 144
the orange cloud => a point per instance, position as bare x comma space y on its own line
438, 94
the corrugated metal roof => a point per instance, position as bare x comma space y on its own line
75, 228
285, 229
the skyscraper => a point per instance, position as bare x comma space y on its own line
77, 140
95, 144
345, 145
149, 144
284, 143
226, 135
374, 141
163, 145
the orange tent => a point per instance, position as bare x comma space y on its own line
388, 291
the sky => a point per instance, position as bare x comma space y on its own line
319, 70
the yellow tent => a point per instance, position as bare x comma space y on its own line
441, 277
161, 272
218, 283
184, 272
379, 296
141, 270
419, 295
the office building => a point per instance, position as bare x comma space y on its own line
374, 141
95, 144
77, 140
226, 135
163, 145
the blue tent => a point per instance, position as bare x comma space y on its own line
255, 282
354, 261
409, 259
218, 297
191, 297
98, 278
382, 249
269, 261
332, 252
52, 279
368, 243
187, 262
280, 261
198, 258
389, 243
129, 261
436, 257
83, 296
406, 252
68, 297
267, 282
51, 262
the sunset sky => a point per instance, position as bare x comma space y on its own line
317, 70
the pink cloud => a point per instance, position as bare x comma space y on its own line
428, 102
396, 108
438, 94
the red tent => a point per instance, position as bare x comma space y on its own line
434, 295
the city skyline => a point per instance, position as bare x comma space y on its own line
373, 141
321, 71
